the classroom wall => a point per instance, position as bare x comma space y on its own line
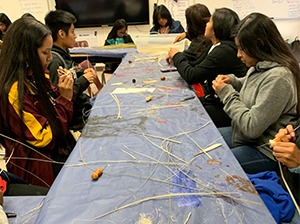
132, 30
289, 28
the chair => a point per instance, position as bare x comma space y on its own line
81, 43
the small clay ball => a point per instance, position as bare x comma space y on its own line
133, 80
162, 78
129, 62
95, 176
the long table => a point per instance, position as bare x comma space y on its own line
101, 55
153, 154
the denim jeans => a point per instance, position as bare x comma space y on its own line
251, 159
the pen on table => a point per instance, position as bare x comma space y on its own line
11, 215
185, 99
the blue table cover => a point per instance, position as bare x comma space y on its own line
147, 151
25, 207
107, 53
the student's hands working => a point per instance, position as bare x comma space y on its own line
220, 82
90, 75
179, 37
286, 151
65, 83
171, 53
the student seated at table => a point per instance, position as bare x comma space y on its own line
4, 24
196, 18
263, 101
61, 24
219, 58
118, 34
164, 23
34, 116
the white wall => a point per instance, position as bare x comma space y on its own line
289, 28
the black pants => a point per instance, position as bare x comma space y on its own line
25, 190
19, 187
214, 108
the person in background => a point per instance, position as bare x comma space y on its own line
265, 99
4, 24
196, 16
219, 58
34, 116
163, 22
118, 34
61, 24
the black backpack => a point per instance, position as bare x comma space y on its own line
295, 49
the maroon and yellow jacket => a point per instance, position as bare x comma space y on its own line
38, 134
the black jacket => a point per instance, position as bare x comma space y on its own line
221, 60
196, 48
82, 103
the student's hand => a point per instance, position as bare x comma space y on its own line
90, 75
287, 134
219, 83
169, 60
172, 52
65, 86
63, 71
180, 37
224, 78
287, 153
1, 42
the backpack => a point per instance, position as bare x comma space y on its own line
295, 49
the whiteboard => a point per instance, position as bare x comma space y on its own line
177, 10
277, 9
14, 9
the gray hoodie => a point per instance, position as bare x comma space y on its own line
259, 104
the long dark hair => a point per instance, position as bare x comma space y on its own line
196, 16
118, 24
19, 51
164, 13
4, 19
224, 22
259, 38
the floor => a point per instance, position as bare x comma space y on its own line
76, 134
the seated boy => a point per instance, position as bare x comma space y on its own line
61, 24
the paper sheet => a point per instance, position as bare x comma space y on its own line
132, 90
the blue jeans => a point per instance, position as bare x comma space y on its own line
251, 159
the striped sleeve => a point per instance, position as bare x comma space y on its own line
38, 131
